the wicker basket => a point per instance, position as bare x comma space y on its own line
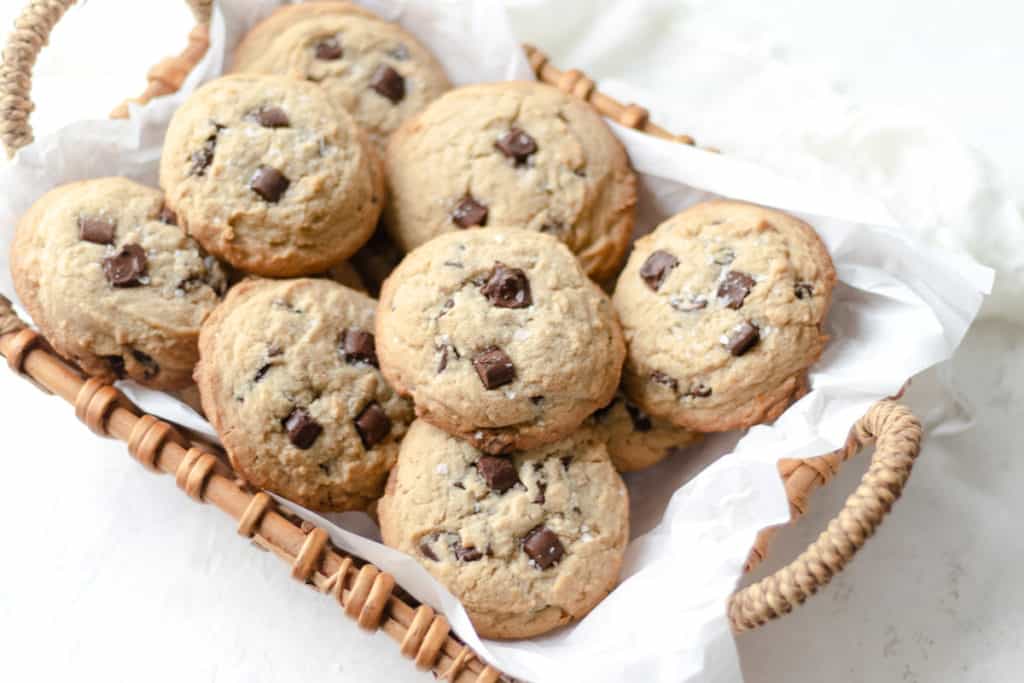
362, 591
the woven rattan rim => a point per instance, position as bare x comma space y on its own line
365, 593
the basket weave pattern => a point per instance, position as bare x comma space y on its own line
364, 592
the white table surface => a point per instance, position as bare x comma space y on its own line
109, 573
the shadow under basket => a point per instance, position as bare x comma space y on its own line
364, 593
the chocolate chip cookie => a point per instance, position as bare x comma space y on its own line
499, 337
266, 173
722, 306
113, 283
288, 378
371, 67
636, 440
527, 542
513, 154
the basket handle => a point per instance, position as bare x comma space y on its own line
897, 436
31, 32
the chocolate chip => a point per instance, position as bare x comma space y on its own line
466, 553
507, 287
358, 346
96, 230
261, 373
494, 367
373, 425
699, 390
427, 550
328, 48
566, 461
498, 472
269, 183
116, 364
302, 428
150, 368
469, 212
536, 400
724, 256
272, 117
688, 305
167, 216
734, 288
803, 290
742, 338
661, 378
445, 307
203, 157
516, 144
641, 421
543, 547
542, 488
389, 83
445, 349
127, 267
657, 267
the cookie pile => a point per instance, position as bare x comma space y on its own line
486, 404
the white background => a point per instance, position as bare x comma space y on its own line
116, 575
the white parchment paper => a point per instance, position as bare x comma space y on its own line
900, 307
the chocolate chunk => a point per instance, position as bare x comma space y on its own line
150, 368
641, 421
96, 230
742, 338
389, 83
302, 428
494, 367
688, 305
507, 287
661, 378
116, 364
127, 267
803, 290
699, 390
724, 256
498, 472
516, 144
167, 216
427, 550
269, 183
272, 117
566, 461
542, 488
466, 553
358, 346
657, 267
734, 288
328, 49
203, 157
373, 425
469, 212
261, 373
543, 547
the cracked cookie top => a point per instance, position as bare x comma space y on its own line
288, 377
513, 154
267, 174
499, 336
370, 67
113, 282
527, 541
722, 307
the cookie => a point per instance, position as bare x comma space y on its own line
722, 306
288, 377
499, 337
113, 283
370, 67
527, 542
513, 154
635, 440
267, 174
